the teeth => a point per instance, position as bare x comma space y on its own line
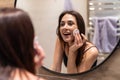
66, 33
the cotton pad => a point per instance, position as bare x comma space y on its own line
75, 31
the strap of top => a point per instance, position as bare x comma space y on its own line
88, 48
95, 63
66, 59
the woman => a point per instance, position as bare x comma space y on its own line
78, 53
20, 56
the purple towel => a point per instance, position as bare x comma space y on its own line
68, 5
105, 36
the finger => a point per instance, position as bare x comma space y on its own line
40, 51
39, 56
78, 39
84, 38
36, 43
75, 41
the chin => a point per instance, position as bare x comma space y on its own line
67, 40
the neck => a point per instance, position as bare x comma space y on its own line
19, 74
70, 43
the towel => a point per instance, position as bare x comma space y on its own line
105, 33
68, 5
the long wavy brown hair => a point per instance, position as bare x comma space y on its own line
16, 39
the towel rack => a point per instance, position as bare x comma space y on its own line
91, 29
102, 8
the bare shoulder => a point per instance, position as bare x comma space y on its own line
24, 75
92, 50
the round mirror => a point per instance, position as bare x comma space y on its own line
45, 13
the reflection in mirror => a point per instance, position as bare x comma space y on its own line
45, 20
104, 25
44, 14
72, 46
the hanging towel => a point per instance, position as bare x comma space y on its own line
105, 36
68, 5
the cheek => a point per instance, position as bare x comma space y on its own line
73, 27
60, 31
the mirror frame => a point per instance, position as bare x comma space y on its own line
15, 3
46, 73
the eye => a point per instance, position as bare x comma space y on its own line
62, 23
70, 23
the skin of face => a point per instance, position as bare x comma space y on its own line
67, 25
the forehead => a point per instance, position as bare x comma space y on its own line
68, 17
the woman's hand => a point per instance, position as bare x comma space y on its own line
39, 54
79, 40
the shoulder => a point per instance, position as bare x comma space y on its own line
91, 50
24, 74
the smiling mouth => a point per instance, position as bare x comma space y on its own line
66, 34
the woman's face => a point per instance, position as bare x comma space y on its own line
67, 25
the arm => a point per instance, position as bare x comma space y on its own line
73, 50
88, 59
71, 65
58, 55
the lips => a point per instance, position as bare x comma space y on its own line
67, 36
66, 33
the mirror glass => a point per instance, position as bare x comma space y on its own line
104, 25
45, 13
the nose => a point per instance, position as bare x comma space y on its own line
66, 26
